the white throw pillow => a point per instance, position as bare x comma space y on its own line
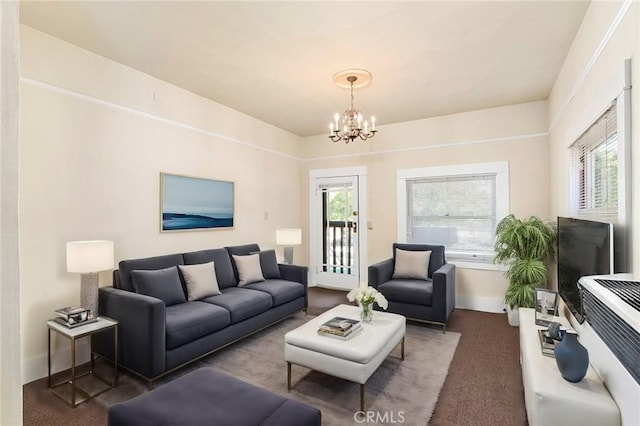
201, 280
412, 264
249, 269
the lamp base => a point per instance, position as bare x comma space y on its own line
89, 293
288, 255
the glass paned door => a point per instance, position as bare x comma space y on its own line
335, 233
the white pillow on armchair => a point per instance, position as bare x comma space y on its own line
412, 264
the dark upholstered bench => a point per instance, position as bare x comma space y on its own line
210, 397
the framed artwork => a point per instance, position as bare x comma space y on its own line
191, 203
546, 305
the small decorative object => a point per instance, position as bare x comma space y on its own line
554, 330
546, 301
365, 297
572, 358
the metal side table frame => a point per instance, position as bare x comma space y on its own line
73, 334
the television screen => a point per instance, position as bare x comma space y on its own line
585, 247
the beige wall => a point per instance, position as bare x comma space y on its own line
591, 77
95, 136
516, 134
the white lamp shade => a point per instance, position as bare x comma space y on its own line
89, 256
289, 237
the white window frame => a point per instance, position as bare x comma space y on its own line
501, 170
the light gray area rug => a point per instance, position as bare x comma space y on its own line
398, 392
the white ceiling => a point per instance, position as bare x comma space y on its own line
275, 60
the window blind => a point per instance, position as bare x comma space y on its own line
594, 170
458, 212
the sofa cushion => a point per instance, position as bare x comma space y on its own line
242, 303
148, 263
436, 260
224, 269
200, 280
411, 264
269, 264
280, 290
249, 269
190, 320
417, 292
163, 284
242, 250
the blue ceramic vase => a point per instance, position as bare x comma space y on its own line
572, 358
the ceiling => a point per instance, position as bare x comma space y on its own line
275, 60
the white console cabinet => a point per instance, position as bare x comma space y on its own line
550, 399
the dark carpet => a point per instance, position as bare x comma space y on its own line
483, 387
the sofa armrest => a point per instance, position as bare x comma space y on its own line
380, 272
141, 330
444, 292
298, 274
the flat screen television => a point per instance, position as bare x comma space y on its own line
585, 247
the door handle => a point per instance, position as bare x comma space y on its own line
355, 221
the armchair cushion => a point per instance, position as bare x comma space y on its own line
408, 291
412, 264
436, 260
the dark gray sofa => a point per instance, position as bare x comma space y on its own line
154, 338
210, 397
431, 300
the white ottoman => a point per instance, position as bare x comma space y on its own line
354, 359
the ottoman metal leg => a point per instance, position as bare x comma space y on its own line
362, 397
402, 349
288, 376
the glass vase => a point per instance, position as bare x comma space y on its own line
366, 313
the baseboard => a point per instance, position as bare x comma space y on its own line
483, 304
36, 368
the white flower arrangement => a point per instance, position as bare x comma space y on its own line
366, 296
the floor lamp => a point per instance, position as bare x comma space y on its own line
288, 237
88, 258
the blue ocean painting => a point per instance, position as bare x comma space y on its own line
195, 203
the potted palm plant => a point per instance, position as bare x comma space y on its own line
526, 246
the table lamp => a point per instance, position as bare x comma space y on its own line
88, 258
288, 237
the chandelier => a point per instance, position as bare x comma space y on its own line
352, 125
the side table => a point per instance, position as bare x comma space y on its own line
73, 334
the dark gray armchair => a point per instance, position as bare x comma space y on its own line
430, 299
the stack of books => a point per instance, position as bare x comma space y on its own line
547, 344
340, 328
72, 316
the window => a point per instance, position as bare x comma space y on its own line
594, 170
456, 206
